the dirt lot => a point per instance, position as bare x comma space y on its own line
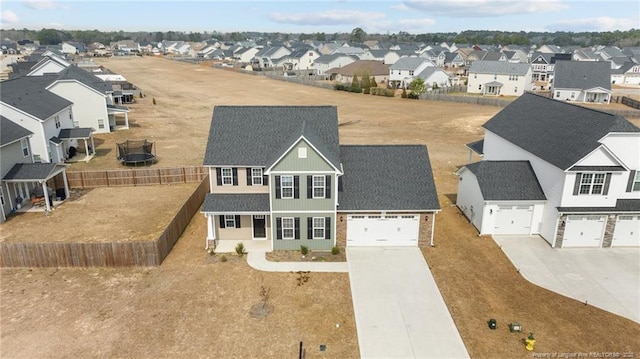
192, 306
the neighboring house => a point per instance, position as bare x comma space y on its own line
433, 76
93, 103
550, 49
516, 56
403, 71
585, 55
300, 59
627, 74
245, 55
499, 78
26, 102
542, 66
326, 62
278, 173
70, 47
48, 64
609, 52
453, 60
567, 173
126, 46
582, 81
384, 56
265, 56
374, 69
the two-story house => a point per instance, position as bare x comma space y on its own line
326, 62
301, 59
26, 102
278, 173
582, 81
567, 173
403, 71
19, 176
499, 78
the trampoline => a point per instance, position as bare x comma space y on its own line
134, 152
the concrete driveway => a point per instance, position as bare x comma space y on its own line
608, 278
398, 308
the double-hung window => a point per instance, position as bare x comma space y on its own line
24, 143
288, 228
318, 227
57, 121
227, 176
256, 176
286, 183
318, 186
592, 183
229, 221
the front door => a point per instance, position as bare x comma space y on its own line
259, 230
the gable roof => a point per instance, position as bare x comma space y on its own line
499, 68
408, 63
21, 172
582, 75
73, 72
359, 67
28, 94
558, 132
386, 178
256, 135
327, 59
11, 132
507, 180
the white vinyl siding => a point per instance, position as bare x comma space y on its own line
24, 143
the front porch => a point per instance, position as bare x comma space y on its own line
229, 246
492, 88
597, 95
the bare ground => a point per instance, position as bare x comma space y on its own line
196, 306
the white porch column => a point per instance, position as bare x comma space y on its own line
9, 195
211, 230
46, 195
126, 120
93, 145
86, 150
66, 184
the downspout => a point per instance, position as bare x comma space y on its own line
433, 223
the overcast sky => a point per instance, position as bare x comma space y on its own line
413, 16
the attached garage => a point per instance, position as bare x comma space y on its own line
583, 231
381, 230
513, 220
627, 231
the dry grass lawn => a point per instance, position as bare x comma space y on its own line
193, 306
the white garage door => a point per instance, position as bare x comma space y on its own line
627, 232
513, 220
382, 230
583, 231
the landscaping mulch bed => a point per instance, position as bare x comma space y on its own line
312, 256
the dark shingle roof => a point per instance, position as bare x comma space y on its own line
477, 146
622, 205
387, 178
582, 75
499, 67
255, 135
507, 181
75, 73
28, 94
555, 131
11, 132
32, 171
78, 132
236, 203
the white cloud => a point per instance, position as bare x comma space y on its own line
8, 17
40, 4
330, 17
484, 8
602, 23
401, 7
414, 26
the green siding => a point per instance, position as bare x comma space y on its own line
303, 203
312, 244
291, 162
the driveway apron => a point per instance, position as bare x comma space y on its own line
398, 308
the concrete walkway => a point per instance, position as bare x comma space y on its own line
398, 308
608, 278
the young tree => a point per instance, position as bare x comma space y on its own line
373, 82
358, 35
366, 82
417, 86
355, 82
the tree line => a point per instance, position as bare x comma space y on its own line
486, 37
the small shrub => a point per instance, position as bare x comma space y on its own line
339, 87
304, 250
356, 89
223, 258
240, 250
413, 95
154, 101
366, 90
389, 93
335, 250
211, 251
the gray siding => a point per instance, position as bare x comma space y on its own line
11, 154
312, 244
292, 163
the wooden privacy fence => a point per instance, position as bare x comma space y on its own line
117, 254
630, 102
135, 177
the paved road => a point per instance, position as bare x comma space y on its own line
398, 308
608, 278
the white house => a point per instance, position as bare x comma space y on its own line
582, 81
245, 54
558, 170
48, 64
627, 74
26, 102
499, 78
403, 71
435, 76
325, 62
301, 59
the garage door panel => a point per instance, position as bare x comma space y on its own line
513, 219
627, 231
382, 230
583, 231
